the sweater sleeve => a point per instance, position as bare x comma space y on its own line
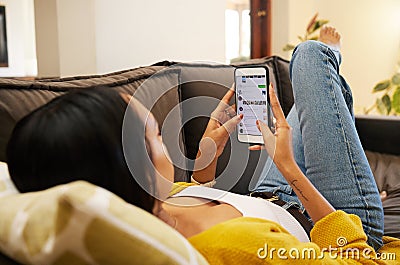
336, 239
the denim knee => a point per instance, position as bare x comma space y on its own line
310, 47
316, 51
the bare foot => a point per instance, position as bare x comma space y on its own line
330, 36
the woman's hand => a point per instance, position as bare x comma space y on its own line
222, 123
280, 149
278, 144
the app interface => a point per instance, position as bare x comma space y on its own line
251, 93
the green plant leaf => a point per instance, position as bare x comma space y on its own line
318, 24
396, 100
301, 38
387, 103
311, 23
381, 86
396, 79
288, 47
380, 106
313, 38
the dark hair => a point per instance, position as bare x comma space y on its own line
78, 136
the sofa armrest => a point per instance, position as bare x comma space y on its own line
379, 133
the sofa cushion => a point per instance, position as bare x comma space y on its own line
154, 86
16, 100
386, 170
79, 223
203, 84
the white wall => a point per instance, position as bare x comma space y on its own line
20, 39
47, 46
78, 37
99, 36
370, 31
29, 38
66, 44
134, 33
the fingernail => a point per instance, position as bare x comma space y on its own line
241, 116
258, 125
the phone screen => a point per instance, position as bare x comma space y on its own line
251, 100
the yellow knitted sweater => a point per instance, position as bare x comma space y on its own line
338, 238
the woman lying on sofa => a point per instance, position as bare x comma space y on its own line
80, 136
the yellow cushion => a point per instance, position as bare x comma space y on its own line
80, 223
6, 185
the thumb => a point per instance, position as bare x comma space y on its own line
264, 129
269, 138
230, 125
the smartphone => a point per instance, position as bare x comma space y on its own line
251, 87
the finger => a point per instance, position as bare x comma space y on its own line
268, 137
230, 125
264, 129
256, 147
231, 111
224, 103
226, 114
228, 96
275, 105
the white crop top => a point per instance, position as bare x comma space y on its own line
250, 207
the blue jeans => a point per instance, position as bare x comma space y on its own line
325, 141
